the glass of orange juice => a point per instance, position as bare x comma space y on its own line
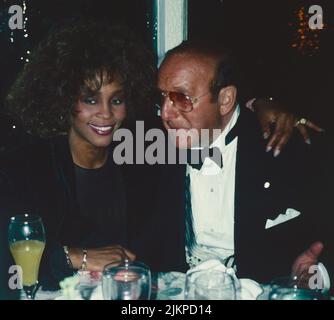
26, 238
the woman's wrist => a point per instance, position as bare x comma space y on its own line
75, 256
84, 260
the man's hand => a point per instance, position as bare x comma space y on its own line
307, 259
270, 112
99, 257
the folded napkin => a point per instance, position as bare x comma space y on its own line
246, 289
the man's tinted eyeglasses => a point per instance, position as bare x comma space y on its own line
181, 101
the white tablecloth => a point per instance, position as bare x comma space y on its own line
168, 286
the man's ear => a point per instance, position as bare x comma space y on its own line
227, 98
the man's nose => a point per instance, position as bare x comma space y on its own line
169, 111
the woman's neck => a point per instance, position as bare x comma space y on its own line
86, 155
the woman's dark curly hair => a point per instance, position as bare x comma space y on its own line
77, 58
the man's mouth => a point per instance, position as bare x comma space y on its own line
102, 130
171, 126
178, 128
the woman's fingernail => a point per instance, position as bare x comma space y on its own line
266, 135
308, 141
269, 148
277, 152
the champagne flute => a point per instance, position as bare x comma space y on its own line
26, 238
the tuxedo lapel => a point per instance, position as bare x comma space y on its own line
250, 194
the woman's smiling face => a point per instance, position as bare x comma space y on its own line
96, 117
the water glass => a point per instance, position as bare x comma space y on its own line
126, 280
209, 285
293, 288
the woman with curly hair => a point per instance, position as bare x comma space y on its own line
82, 83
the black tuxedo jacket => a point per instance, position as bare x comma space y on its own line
260, 254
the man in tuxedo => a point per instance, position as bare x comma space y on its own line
255, 212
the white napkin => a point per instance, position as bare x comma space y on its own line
73, 287
247, 289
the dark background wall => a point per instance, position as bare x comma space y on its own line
262, 33
43, 15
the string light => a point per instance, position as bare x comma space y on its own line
25, 19
19, 32
306, 40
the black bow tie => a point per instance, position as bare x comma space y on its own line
196, 157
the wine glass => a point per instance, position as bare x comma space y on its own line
126, 280
26, 238
209, 285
